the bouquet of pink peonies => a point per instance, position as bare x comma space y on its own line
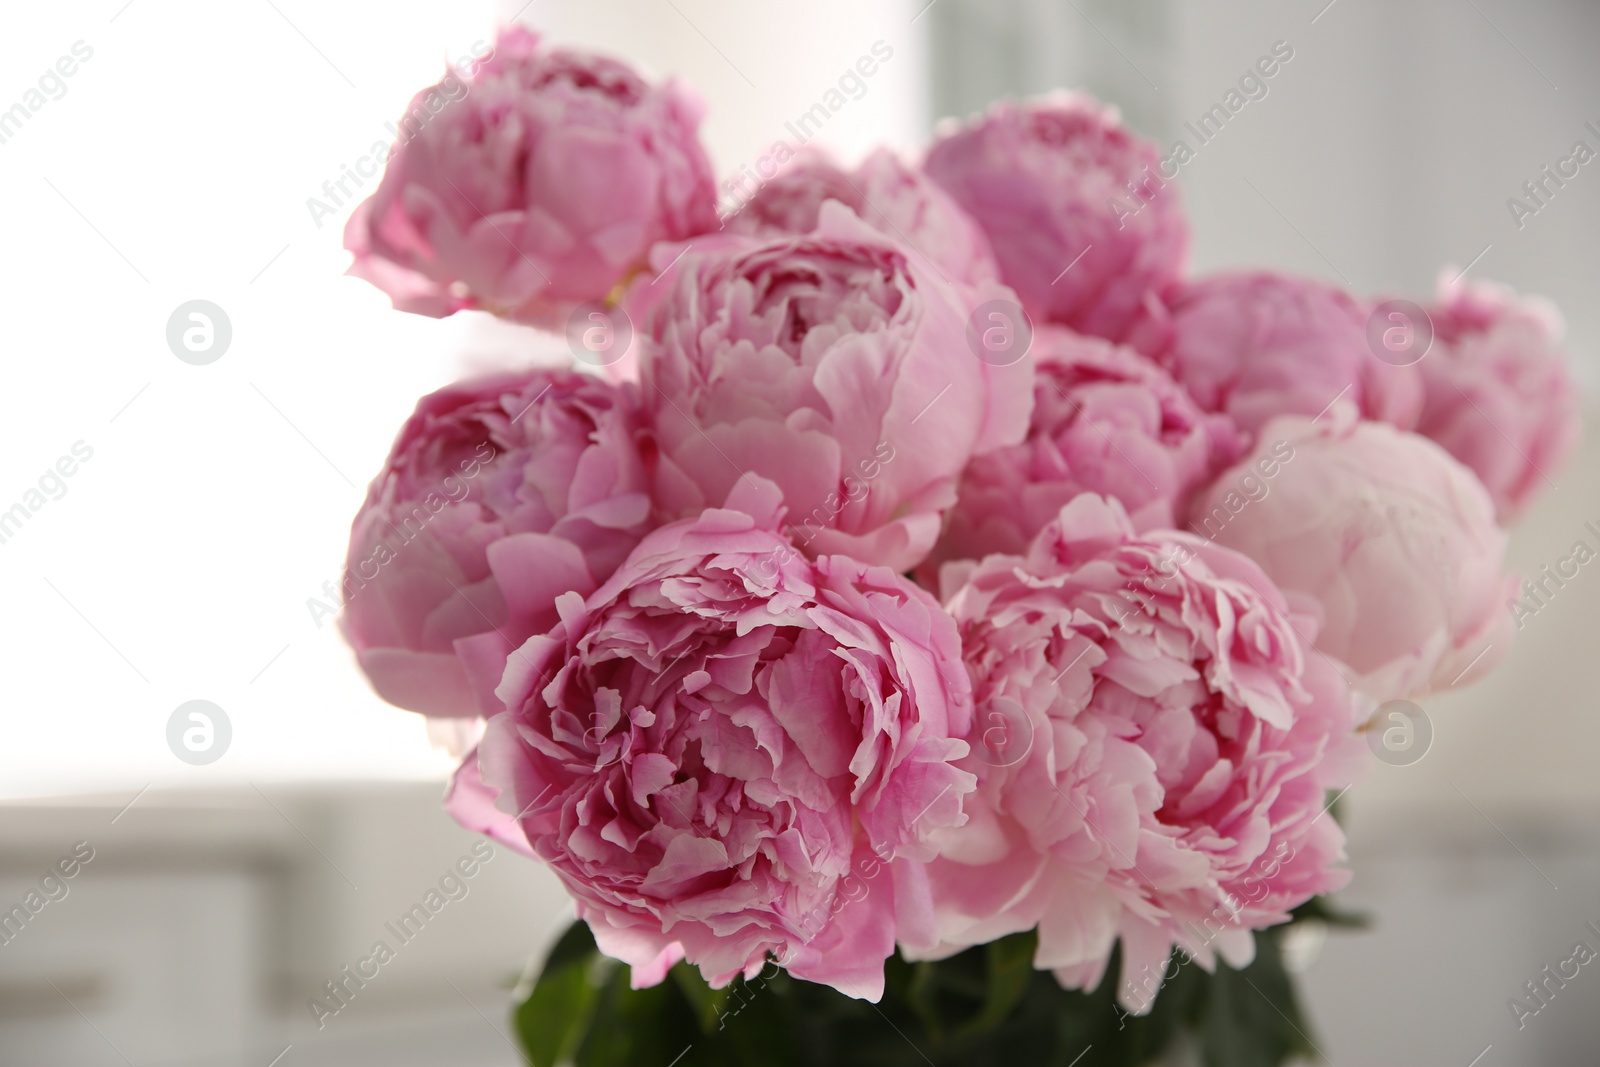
943, 619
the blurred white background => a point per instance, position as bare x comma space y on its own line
176, 163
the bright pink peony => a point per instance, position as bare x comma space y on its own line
1105, 420
729, 751
1385, 537
1154, 742
1258, 344
835, 366
1059, 177
538, 185
498, 495
898, 201
1498, 390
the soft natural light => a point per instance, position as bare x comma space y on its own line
185, 556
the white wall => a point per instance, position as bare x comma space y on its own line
180, 561
205, 922
759, 66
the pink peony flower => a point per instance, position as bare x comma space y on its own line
540, 184
898, 201
729, 751
835, 366
1073, 203
498, 495
1257, 345
1498, 390
791, 202
1153, 740
1105, 420
1384, 536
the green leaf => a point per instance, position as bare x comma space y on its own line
1010, 966
1322, 909
922, 997
639, 1027
1096, 1026
707, 1003
553, 1021
576, 944
1251, 1018
984, 1007
758, 1024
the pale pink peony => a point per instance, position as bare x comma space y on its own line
835, 366
791, 201
539, 184
1259, 344
1154, 741
1498, 390
1105, 420
498, 495
1384, 536
899, 201
1057, 178
729, 751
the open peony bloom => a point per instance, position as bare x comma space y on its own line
1058, 182
539, 184
1259, 344
729, 751
1385, 537
834, 365
1153, 740
1498, 390
1105, 420
897, 200
498, 495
